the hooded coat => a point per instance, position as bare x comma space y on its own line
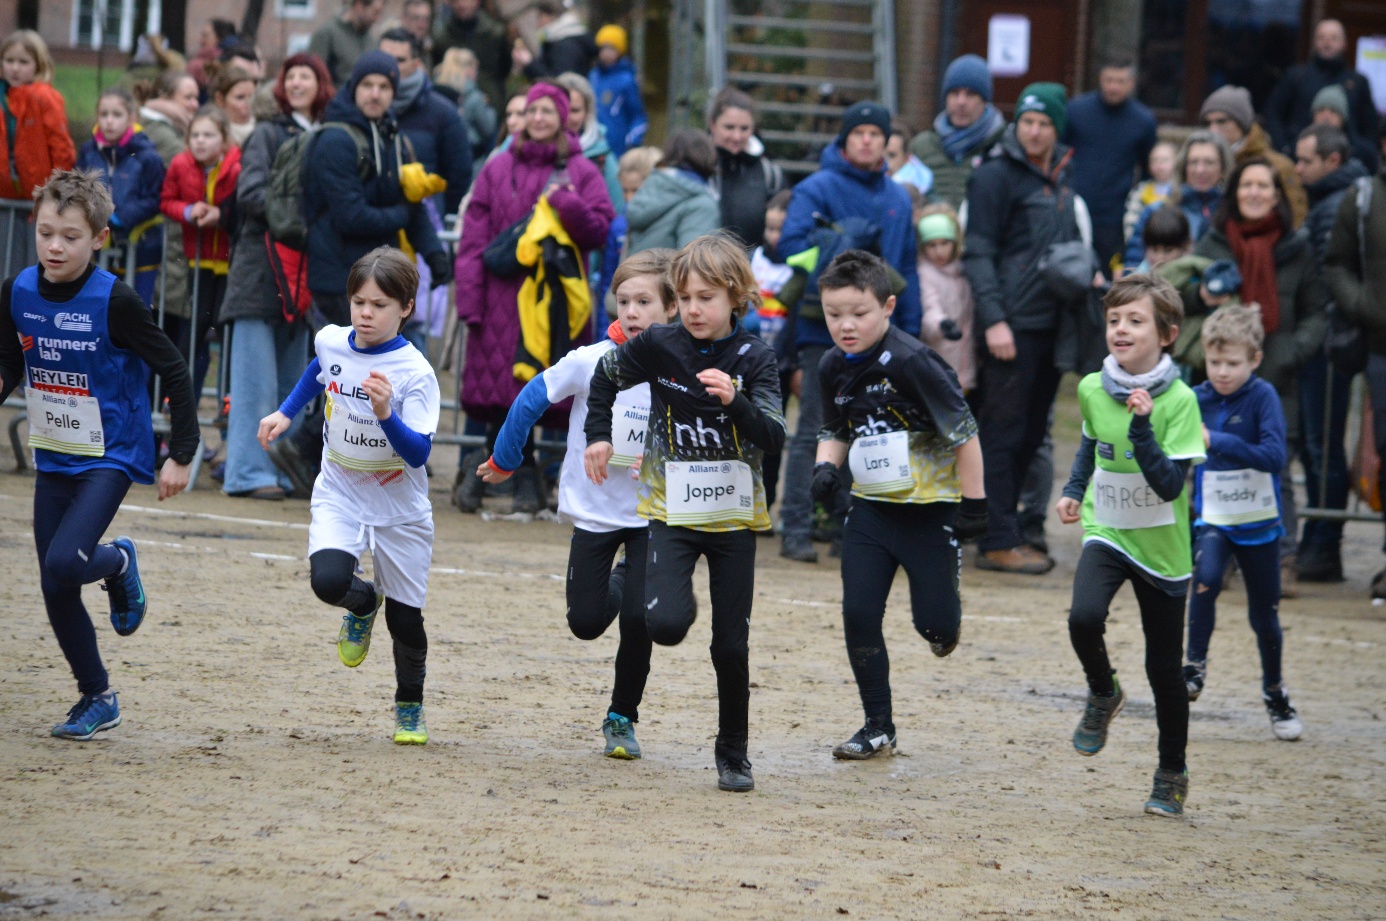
745, 182
619, 106
347, 215
506, 190
1015, 212
41, 141
1288, 110
439, 137
135, 173
838, 191
672, 208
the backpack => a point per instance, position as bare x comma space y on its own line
828, 240
284, 198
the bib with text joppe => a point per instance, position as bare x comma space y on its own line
708, 492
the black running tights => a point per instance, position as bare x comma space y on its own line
595, 599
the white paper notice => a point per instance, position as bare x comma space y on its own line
1371, 63
1008, 45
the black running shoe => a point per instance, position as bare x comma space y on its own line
1284, 720
1091, 734
944, 650
1195, 674
1168, 793
733, 767
869, 741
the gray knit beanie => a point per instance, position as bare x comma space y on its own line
1235, 101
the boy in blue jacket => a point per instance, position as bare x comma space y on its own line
619, 107
1236, 503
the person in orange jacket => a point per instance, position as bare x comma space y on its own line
200, 193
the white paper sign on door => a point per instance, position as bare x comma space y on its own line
1008, 45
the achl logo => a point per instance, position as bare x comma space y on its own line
73, 322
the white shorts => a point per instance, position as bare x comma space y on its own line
400, 553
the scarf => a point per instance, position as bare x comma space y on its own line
1118, 382
409, 89
1253, 246
615, 333
958, 142
103, 141
169, 111
241, 133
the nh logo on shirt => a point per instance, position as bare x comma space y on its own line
873, 426
696, 436
73, 322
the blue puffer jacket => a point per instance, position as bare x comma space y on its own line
135, 173
1246, 431
619, 107
838, 191
348, 216
439, 138
1197, 206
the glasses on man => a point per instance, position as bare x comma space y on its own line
1212, 121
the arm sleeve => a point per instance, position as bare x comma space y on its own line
908, 312
932, 384
412, 446
11, 354
1268, 454
339, 185
61, 151
987, 209
1135, 243
532, 403
256, 161
1344, 273
836, 425
1080, 473
639, 121
132, 327
308, 388
171, 202
798, 220
1164, 475
756, 410
1311, 312
586, 212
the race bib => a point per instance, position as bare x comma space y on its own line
1125, 501
1238, 497
629, 422
66, 423
880, 464
356, 442
708, 492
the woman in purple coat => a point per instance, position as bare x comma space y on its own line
543, 157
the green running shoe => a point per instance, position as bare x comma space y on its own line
620, 738
1168, 795
1091, 733
409, 724
354, 641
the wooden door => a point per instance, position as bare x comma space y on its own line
1054, 42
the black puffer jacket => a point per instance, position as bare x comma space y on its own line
1015, 213
1324, 198
250, 288
746, 182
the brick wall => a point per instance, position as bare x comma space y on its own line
917, 30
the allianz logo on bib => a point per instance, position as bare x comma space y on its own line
73, 322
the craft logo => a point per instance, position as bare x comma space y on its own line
73, 322
35, 316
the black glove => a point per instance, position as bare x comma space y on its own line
827, 479
971, 521
440, 268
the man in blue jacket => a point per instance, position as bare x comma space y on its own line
851, 182
1018, 205
432, 124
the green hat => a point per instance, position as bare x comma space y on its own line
937, 227
1047, 99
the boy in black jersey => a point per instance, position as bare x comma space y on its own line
714, 414
893, 409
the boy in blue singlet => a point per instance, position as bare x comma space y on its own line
82, 343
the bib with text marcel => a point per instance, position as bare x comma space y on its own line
1126, 502
630, 420
709, 492
1232, 497
880, 464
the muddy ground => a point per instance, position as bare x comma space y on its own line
254, 776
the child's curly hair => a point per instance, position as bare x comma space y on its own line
1232, 326
720, 260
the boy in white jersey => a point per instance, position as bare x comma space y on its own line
604, 516
382, 412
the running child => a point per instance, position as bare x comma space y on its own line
1141, 431
372, 492
82, 344
894, 411
199, 192
604, 518
133, 170
1236, 503
714, 413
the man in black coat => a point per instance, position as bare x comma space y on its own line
1288, 111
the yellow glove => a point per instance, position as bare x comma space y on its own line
419, 184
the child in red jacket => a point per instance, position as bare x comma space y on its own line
41, 141
199, 192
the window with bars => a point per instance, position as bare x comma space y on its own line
112, 23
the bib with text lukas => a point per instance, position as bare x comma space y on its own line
880, 464
1232, 497
708, 492
355, 440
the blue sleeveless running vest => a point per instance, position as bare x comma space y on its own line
88, 400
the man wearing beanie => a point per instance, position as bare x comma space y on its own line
1228, 111
1111, 134
964, 134
1019, 204
619, 106
1330, 109
1288, 110
352, 203
852, 182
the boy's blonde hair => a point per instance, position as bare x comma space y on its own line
452, 70
720, 260
649, 262
639, 161
84, 190
1164, 300
1233, 325
33, 43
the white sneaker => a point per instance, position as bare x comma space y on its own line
1284, 720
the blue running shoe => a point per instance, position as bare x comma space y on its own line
125, 592
92, 714
620, 738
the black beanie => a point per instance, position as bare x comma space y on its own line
863, 113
